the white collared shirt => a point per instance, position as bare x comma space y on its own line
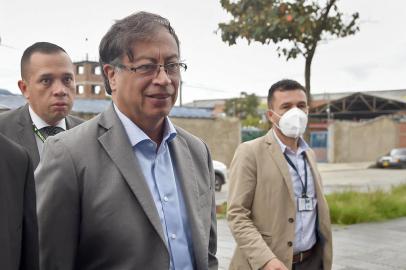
305, 222
39, 123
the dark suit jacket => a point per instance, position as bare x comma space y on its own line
18, 219
17, 126
95, 210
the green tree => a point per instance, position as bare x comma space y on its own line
244, 107
296, 27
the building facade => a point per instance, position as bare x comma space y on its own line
89, 80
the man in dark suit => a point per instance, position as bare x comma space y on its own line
18, 219
128, 189
49, 86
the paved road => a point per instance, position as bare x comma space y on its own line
369, 246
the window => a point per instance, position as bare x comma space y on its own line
97, 70
318, 139
96, 89
80, 89
80, 69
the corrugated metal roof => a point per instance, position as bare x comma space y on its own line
95, 106
12, 101
90, 105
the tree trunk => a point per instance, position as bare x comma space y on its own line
308, 67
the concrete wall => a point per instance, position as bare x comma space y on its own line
222, 135
362, 141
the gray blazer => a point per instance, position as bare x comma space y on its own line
18, 218
17, 126
95, 210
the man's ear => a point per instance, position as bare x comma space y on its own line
110, 72
24, 89
269, 114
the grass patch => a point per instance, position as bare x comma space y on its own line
221, 210
352, 207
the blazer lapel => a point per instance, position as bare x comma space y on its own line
115, 142
280, 161
26, 136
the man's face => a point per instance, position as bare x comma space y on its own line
49, 85
143, 98
283, 101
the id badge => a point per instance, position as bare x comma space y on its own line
305, 204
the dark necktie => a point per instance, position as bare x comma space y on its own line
50, 131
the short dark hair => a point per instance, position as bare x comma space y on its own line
284, 85
41, 47
122, 35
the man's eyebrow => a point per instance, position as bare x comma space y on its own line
153, 59
46, 75
286, 103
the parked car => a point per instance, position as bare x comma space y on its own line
220, 172
395, 158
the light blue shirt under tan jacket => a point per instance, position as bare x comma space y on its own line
158, 169
305, 229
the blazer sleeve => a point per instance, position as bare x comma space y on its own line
58, 207
29, 251
243, 180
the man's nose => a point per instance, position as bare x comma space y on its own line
60, 89
162, 77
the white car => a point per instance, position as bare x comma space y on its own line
220, 172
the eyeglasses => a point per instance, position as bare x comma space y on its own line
171, 69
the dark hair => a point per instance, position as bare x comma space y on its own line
122, 35
284, 85
41, 47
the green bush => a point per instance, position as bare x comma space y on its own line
352, 207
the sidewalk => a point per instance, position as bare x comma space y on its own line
368, 246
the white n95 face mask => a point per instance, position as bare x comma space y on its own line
292, 123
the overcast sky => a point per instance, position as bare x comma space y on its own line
373, 59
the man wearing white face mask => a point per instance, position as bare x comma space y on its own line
276, 208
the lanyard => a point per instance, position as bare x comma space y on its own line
304, 186
38, 133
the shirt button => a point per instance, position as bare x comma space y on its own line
166, 198
290, 243
291, 220
173, 236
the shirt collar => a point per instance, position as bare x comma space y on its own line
39, 123
137, 135
303, 146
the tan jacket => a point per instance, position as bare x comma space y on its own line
262, 208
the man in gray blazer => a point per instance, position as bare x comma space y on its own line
128, 189
18, 218
47, 82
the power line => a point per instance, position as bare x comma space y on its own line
206, 88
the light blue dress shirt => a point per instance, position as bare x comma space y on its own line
159, 172
305, 226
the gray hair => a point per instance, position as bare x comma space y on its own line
122, 35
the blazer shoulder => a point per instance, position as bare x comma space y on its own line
85, 131
11, 150
189, 137
255, 143
9, 117
74, 121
